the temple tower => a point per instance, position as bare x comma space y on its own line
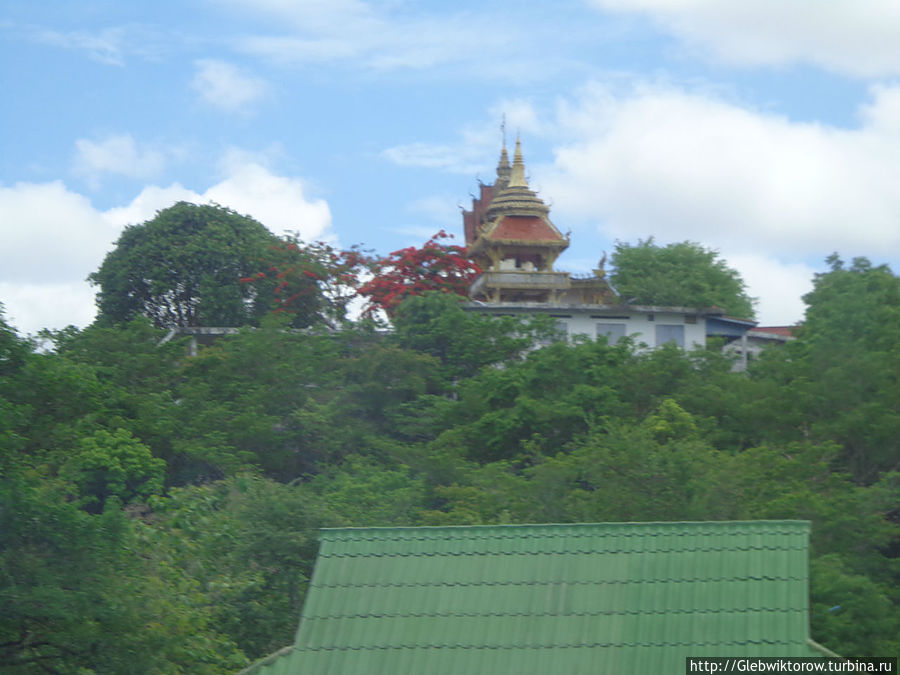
510, 235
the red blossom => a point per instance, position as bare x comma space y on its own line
411, 271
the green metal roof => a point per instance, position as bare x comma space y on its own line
597, 598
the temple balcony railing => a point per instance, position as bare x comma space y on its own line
517, 279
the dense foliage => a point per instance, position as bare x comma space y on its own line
683, 274
158, 513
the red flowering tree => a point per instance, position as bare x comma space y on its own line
436, 266
312, 283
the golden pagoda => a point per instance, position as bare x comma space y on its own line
509, 235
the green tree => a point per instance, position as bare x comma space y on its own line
436, 323
846, 365
13, 349
83, 594
855, 305
243, 548
536, 405
361, 492
683, 275
113, 465
138, 378
14, 417
850, 613
258, 400
183, 268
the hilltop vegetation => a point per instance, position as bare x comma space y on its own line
158, 513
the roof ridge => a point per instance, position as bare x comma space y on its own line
556, 530
597, 612
554, 551
570, 645
535, 526
551, 582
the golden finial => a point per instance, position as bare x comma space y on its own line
517, 177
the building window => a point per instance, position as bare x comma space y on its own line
612, 331
669, 333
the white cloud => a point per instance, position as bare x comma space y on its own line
392, 36
278, 202
53, 240
112, 45
227, 87
30, 307
50, 234
682, 166
57, 237
859, 38
106, 46
778, 286
117, 154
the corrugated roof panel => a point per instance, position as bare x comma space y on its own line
609, 597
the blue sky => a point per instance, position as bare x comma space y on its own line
768, 130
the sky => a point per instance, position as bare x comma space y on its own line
766, 130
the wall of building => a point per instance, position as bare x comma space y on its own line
652, 328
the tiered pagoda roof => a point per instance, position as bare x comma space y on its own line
515, 221
510, 235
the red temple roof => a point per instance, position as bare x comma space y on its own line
524, 228
785, 331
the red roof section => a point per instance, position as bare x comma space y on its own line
525, 228
469, 226
786, 331
472, 219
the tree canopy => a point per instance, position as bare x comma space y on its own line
183, 268
678, 275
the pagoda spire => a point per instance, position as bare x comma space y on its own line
517, 175
504, 161
503, 167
